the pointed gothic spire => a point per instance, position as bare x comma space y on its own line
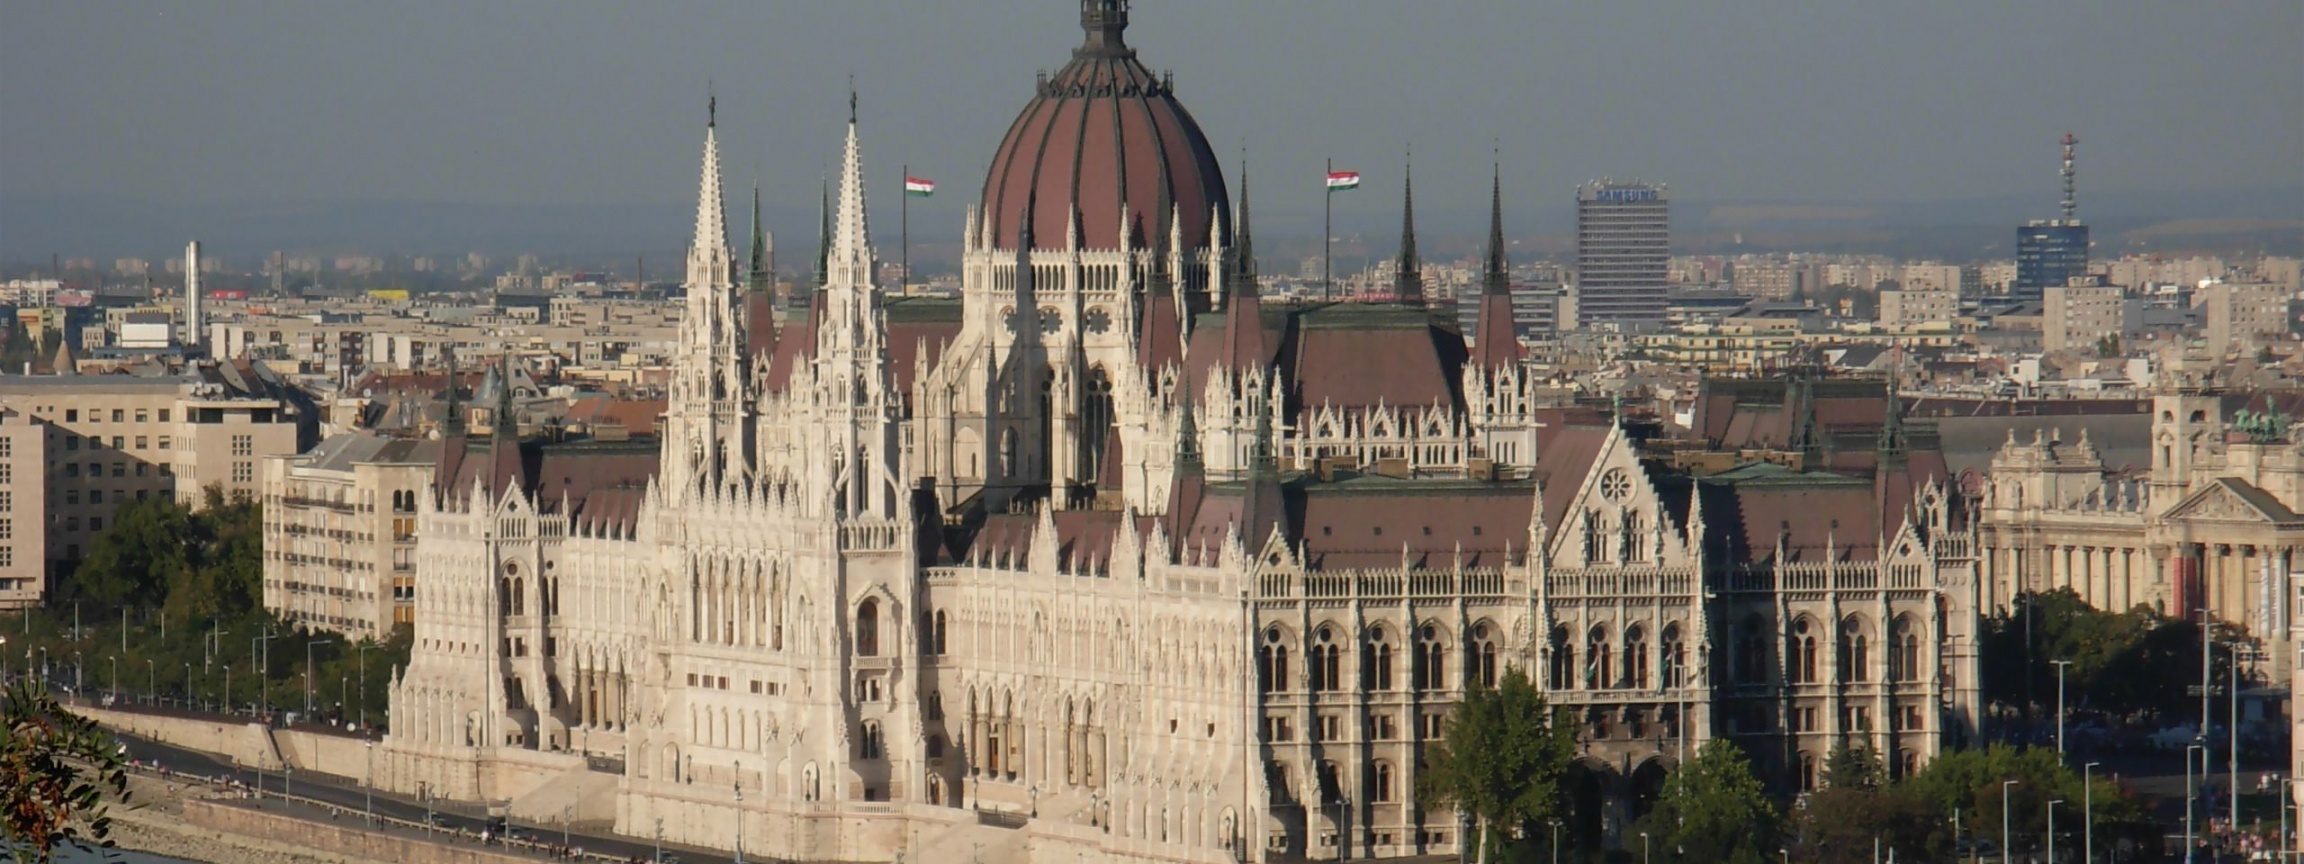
1496, 278
1496, 339
756, 276
1245, 243
1408, 278
708, 253
851, 236
823, 233
452, 423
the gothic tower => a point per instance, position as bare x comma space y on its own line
707, 425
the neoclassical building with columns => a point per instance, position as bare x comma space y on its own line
2210, 524
1112, 557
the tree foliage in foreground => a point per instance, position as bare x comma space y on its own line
1715, 809
56, 771
1501, 760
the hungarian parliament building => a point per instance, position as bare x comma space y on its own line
1112, 558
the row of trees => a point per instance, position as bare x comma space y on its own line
1506, 755
169, 602
2126, 664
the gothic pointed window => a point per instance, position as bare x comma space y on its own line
1907, 651
1673, 655
1272, 662
1326, 665
1599, 668
1855, 651
1636, 657
1376, 660
1096, 419
1481, 654
1431, 659
1803, 665
868, 628
1563, 665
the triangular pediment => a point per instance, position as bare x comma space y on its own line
2229, 500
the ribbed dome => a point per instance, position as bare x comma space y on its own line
1102, 131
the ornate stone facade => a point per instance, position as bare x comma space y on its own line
1126, 563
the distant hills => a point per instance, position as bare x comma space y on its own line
2249, 221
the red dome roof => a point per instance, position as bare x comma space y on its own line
1101, 132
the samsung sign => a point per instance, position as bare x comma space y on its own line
1623, 196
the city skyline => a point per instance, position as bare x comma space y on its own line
510, 109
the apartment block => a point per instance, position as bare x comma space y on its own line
2074, 317
340, 532
1908, 307
110, 439
23, 545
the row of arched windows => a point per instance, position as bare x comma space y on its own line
1604, 668
1428, 656
1852, 651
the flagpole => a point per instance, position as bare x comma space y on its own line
1327, 229
904, 222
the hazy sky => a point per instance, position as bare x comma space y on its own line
581, 102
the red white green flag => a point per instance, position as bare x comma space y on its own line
1339, 181
919, 188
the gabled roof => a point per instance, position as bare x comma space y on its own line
2230, 499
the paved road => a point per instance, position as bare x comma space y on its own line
354, 799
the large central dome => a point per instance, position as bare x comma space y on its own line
1102, 132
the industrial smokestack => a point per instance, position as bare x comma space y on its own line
192, 298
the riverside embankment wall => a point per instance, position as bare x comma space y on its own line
337, 839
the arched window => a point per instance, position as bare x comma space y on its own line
1376, 661
1482, 655
1636, 657
937, 638
868, 628
1807, 772
1906, 655
1752, 651
1327, 666
1675, 661
1431, 659
1563, 667
1380, 783
1855, 651
1272, 662
1598, 668
868, 741
1803, 652
935, 746
519, 596
1096, 418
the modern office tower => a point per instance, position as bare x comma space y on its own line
2049, 252
1623, 244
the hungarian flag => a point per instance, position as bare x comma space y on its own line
919, 188
1339, 181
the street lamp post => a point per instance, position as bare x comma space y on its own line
2005, 786
2088, 812
371, 781
1647, 850
1555, 843
2052, 802
363, 650
115, 658
151, 681
739, 813
308, 674
2061, 667
2188, 792
263, 666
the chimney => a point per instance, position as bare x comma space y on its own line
192, 320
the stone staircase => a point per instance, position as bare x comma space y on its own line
585, 795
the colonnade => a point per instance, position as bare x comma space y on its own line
1003, 747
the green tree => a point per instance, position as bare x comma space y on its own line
1714, 809
56, 770
1501, 760
1839, 823
147, 548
